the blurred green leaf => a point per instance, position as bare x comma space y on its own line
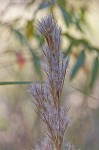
66, 16
83, 42
35, 58
77, 20
15, 82
19, 36
62, 3
40, 40
94, 71
78, 65
29, 30
44, 5
78, 25
68, 49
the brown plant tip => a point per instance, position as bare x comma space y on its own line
50, 31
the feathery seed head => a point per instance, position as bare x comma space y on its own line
47, 95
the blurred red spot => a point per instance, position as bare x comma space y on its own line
20, 59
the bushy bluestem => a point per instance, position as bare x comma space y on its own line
47, 95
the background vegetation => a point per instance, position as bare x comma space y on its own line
20, 51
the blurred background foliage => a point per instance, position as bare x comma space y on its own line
20, 56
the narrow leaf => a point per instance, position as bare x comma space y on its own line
69, 49
66, 16
44, 5
29, 30
20, 36
15, 82
94, 71
35, 58
36, 63
62, 3
78, 65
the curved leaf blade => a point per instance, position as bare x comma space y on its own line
69, 49
44, 5
24, 41
78, 65
94, 71
19, 36
66, 16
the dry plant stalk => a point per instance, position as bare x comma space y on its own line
47, 95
